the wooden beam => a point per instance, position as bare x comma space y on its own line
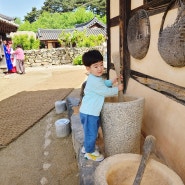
125, 8
172, 91
114, 21
108, 37
153, 7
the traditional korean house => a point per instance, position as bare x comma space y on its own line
7, 26
49, 37
149, 37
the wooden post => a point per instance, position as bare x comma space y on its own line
125, 9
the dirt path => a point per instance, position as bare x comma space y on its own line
38, 157
67, 76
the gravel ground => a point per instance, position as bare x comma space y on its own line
38, 157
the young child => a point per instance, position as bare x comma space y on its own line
96, 89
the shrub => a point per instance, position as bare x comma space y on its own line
77, 60
27, 42
80, 39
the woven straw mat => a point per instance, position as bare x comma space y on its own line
21, 111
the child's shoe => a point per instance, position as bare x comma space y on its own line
95, 156
83, 149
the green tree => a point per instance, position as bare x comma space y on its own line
27, 42
32, 16
26, 26
81, 15
18, 21
98, 7
59, 20
48, 20
52, 6
71, 38
59, 6
80, 39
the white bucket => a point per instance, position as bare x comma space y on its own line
62, 127
60, 106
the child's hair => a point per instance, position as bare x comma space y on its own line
90, 57
19, 46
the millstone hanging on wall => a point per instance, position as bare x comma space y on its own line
138, 34
171, 42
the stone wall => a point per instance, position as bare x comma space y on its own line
54, 56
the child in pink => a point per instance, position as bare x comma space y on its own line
19, 59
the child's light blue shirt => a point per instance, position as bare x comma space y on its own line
95, 91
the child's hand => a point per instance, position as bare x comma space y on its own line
120, 87
121, 78
118, 78
115, 80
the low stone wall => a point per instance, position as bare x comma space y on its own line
54, 56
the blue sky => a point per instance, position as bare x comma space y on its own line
19, 8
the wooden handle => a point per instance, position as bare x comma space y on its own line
148, 147
116, 61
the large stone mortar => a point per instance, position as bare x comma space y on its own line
121, 124
122, 168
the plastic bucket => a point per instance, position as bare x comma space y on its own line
60, 106
62, 127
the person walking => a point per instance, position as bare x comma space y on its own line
19, 59
95, 91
